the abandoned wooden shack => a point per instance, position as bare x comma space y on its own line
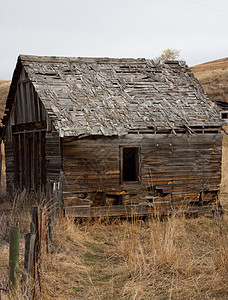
120, 135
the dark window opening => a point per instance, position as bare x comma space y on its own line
225, 115
130, 166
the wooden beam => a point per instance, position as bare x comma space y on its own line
29, 127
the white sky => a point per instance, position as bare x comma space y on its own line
112, 28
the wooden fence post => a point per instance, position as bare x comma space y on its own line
29, 259
48, 191
47, 228
35, 220
32, 251
40, 226
14, 258
61, 189
49, 210
55, 199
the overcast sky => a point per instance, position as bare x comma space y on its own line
112, 28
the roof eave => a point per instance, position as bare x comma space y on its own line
12, 92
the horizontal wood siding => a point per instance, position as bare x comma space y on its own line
183, 166
53, 157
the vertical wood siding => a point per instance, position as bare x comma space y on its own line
25, 139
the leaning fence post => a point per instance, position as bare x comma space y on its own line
14, 258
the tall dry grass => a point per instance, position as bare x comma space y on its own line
177, 258
173, 258
14, 211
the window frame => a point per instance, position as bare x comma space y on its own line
138, 165
222, 113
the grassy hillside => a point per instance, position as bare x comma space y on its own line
213, 76
4, 89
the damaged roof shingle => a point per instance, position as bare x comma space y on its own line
105, 96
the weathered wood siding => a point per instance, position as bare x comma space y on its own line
29, 157
93, 122
9, 160
181, 167
28, 107
53, 156
224, 183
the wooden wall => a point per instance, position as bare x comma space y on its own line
224, 184
181, 167
9, 160
25, 153
53, 156
28, 107
29, 157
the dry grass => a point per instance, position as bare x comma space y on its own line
13, 212
177, 258
4, 89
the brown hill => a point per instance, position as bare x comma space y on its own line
4, 89
213, 76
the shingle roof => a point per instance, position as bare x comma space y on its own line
107, 96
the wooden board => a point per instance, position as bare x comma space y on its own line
176, 165
136, 211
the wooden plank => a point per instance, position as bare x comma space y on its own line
16, 162
22, 161
43, 164
134, 211
30, 126
110, 211
36, 158
26, 167
53, 156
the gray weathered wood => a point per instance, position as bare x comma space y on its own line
67, 119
